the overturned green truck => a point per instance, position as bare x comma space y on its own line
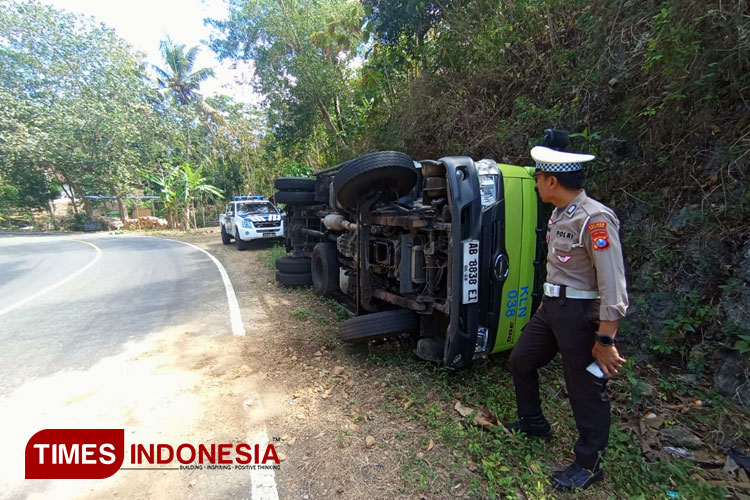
449, 250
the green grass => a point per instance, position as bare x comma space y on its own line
504, 464
301, 314
269, 256
470, 462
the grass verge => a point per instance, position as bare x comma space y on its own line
270, 256
444, 455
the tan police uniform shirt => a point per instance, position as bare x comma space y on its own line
585, 253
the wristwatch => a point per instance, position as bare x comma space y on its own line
605, 339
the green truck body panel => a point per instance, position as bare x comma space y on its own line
521, 217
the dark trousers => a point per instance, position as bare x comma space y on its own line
566, 326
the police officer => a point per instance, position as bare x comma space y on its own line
584, 298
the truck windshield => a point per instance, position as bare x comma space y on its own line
255, 208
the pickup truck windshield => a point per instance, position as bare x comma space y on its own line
255, 208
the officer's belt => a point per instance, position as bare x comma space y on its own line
551, 290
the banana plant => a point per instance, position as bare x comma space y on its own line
195, 187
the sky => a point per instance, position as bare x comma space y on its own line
144, 23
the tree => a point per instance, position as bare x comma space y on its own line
179, 188
75, 100
232, 152
302, 52
405, 22
8, 199
179, 81
194, 187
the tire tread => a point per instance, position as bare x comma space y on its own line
378, 325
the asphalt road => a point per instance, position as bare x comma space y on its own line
114, 289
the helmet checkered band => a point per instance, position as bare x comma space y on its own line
558, 167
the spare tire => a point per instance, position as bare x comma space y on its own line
293, 279
391, 172
295, 197
378, 325
294, 184
325, 268
293, 265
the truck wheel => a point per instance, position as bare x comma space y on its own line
225, 238
241, 245
295, 197
295, 279
293, 265
378, 325
294, 184
325, 268
389, 171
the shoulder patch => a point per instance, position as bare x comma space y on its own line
599, 238
597, 226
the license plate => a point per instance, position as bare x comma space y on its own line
268, 235
471, 272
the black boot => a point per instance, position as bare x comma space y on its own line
536, 426
576, 477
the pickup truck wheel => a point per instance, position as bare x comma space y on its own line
241, 245
389, 171
378, 325
293, 265
293, 279
325, 268
225, 238
294, 184
295, 197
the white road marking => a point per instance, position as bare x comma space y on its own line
262, 481
238, 328
55, 285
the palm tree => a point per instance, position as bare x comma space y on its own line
179, 81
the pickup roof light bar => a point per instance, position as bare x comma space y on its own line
244, 198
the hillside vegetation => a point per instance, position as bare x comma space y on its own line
657, 90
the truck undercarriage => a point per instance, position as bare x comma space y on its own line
404, 246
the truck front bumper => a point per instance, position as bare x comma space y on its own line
466, 219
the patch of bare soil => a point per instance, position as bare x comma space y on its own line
337, 439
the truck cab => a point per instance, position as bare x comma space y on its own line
247, 218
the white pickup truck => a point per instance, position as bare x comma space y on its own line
248, 218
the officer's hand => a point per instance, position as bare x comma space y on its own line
608, 357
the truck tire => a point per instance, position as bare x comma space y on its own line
378, 325
241, 245
324, 267
294, 184
295, 197
389, 171
293, 265
293, 279
225, 238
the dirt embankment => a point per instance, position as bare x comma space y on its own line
322, 400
